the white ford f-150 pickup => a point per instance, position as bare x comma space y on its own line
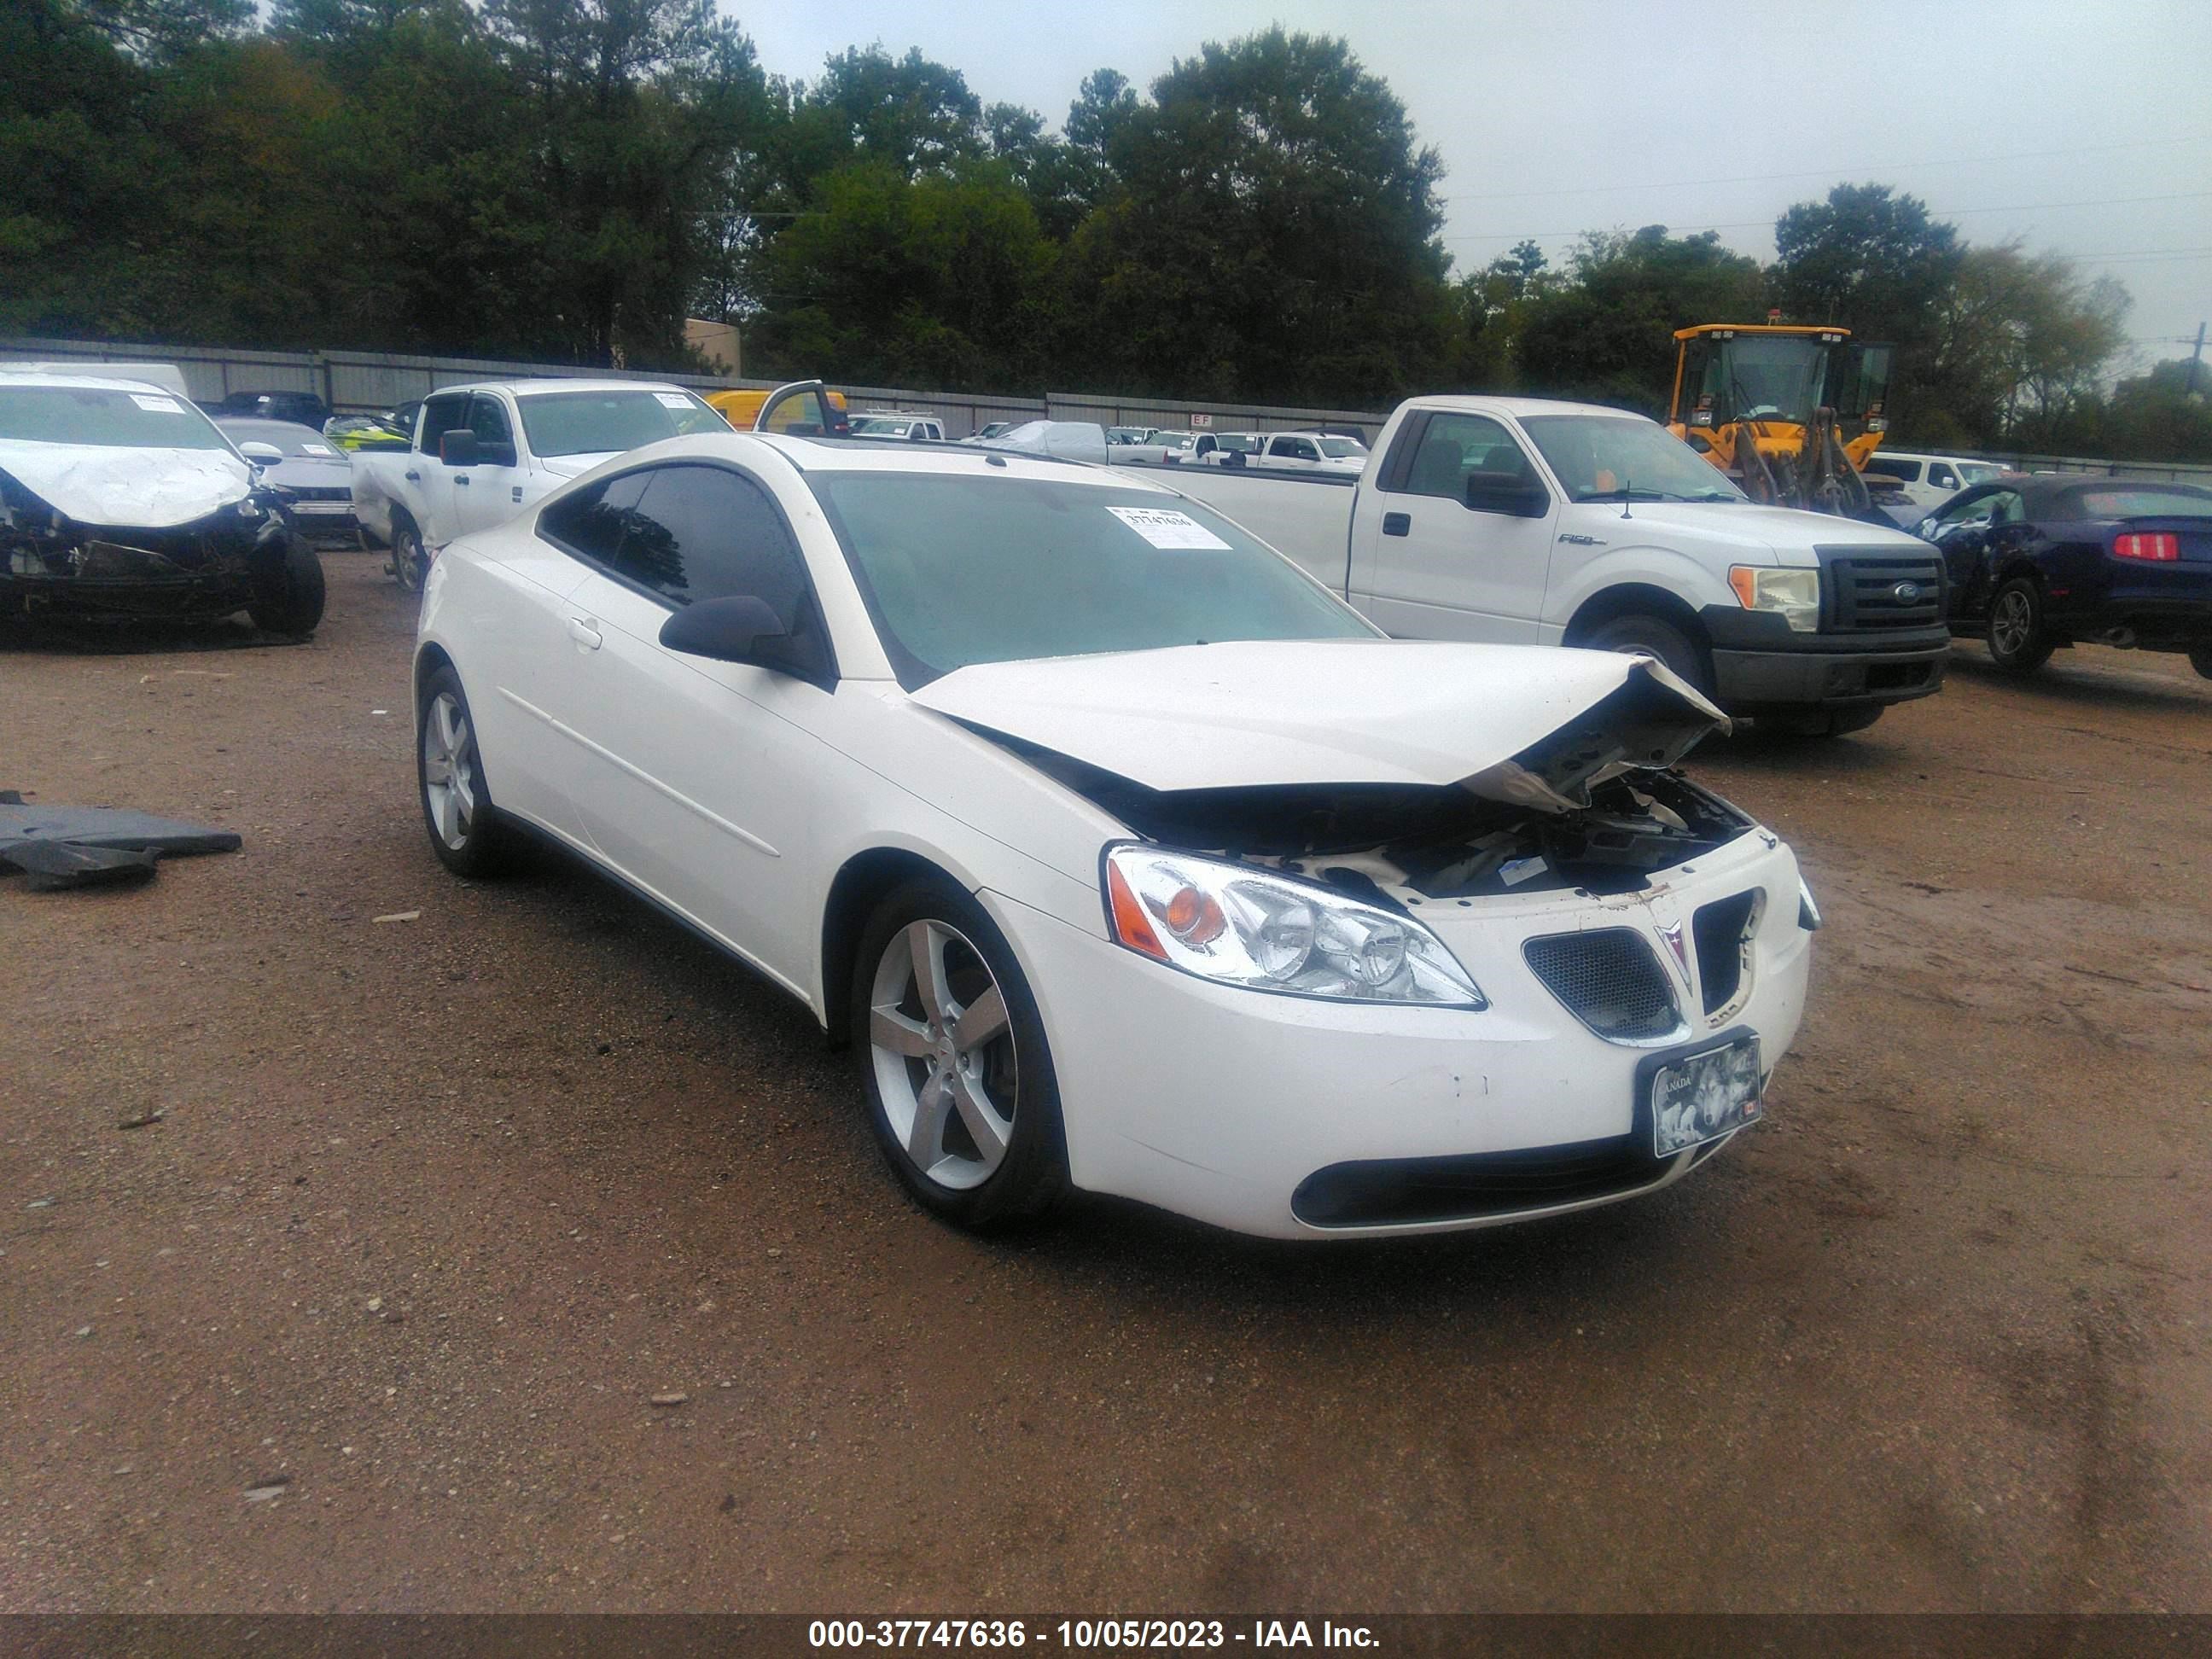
479, 454
1525, 521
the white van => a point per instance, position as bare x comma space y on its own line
1931, 480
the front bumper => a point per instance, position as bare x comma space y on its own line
325, 524
1759, 663
1224, 1104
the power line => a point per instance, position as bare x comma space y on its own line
1822, 173
1752, 224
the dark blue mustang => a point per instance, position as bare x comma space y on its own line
2037, 562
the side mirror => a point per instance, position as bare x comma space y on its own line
458, 447
260, 452
1926, 528
1516, 499
742, 628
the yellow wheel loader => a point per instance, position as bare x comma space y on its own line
1791, 413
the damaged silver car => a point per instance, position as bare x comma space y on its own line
119, 498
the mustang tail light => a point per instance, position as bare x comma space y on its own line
2161, 547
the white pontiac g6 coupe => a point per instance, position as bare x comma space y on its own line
1127, 858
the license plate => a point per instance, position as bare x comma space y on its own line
1706, 1097
322, 507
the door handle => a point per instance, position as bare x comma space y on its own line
588, 637
412, 476
1397, 523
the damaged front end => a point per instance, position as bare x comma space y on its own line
210, 566
1597, 806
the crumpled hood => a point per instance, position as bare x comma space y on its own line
139, 489
1745, 526
1253, 712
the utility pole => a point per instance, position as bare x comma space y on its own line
2194, 358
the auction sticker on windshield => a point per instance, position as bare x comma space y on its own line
155, 405
673, 400
1705, 1097
1165, 528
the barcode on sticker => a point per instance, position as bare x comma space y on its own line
1165, 528
155, 405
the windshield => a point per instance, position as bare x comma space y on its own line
1767, 377
880, 427
1976, 472
289, 436
962, 569
1176, 440
106, 420
1243, 441
1338, 449
1597, 456
608, 422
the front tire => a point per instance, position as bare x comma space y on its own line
1654, 636
465, 831
289, 592
960, 1085
410, 555
2019, 642
2200, 658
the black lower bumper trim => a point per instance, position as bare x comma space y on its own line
1747, 680
1407, 1191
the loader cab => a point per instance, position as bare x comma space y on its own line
1729, 373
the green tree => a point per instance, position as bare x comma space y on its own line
936, 281
1606, 334
2163, 415
1271, 233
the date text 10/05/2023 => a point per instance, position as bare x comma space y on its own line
1086, 1634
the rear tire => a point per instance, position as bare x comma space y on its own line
410, 556
2019, 642
1654, 636
288, 590
952, 1054
466, 829
2200, 658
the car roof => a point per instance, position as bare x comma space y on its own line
542, 387
1522, 407
86, 382
815, 454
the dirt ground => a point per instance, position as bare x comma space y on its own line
372, 1317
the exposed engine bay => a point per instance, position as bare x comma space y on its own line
50, 561
1397, 841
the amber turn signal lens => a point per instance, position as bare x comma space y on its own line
1130, 926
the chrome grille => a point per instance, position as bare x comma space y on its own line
1608, 980
1863, 588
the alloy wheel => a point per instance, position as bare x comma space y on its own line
2010, 622
449, 770
943, 1049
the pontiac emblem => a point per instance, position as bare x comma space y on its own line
1671, 933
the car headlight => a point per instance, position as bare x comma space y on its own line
1796, 594
1808, 913
1240, 926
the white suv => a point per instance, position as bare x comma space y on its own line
1931, 480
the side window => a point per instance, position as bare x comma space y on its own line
1940, 477
592, 521
448, 412
1903, 471
488, 420
1454, 446
1976, 511
1303, 450
703, 531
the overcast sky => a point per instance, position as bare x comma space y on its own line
2054, 120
